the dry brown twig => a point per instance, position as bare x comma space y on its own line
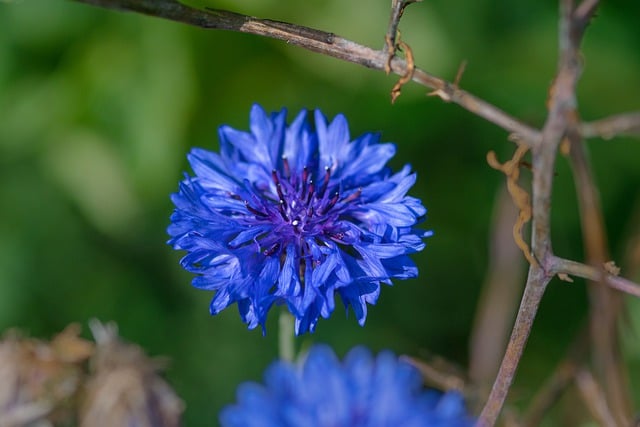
631, 260
566, 371
397, 9
500, 294
594, 398
324, 43
435, 376
561, 106
600, 275
626, 124
605, 303
561, 378
446, 95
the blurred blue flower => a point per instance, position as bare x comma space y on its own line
360, 392
291, 214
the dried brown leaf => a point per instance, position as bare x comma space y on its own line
125, 387
39, 379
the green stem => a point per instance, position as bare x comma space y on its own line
286, 346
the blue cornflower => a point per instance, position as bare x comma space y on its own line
362, 391
292, 214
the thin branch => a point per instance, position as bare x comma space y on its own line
627, 124
623, 285
631, 261
560, 265
582, 16
435, 377
324, 43
594, 398
500, 295
562, 104
604, 303
397, 9
558, 382
534, 290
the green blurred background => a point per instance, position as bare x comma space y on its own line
98, 110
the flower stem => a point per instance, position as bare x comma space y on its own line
534, 289
286, 346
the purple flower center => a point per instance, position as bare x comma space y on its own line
298, 209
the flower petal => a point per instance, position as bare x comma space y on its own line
361, 391
293, 215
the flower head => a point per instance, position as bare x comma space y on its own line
294, 215
362, 391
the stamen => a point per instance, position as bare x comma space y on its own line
254, 211
331, 203
325, 183
279, 190
285, 167
296, 223
274, 176
272, 250
337, 236
305, 176
312, 189
234, 196
353, 196
282, 210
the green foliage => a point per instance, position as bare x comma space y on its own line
98, 109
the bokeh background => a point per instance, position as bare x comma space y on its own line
98, 110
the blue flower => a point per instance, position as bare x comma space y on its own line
360, 392
293, 215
